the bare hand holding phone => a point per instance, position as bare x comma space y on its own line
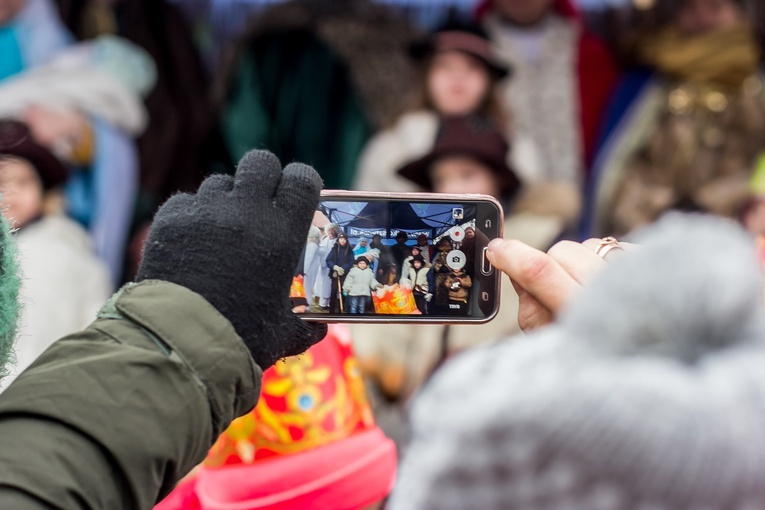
546, 282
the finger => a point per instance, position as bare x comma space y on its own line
531, 313
180, 202
299, 192
595, 243
536, 272
579, 261
258, 174
302, 335
216, 184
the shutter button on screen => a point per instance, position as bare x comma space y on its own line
486, 267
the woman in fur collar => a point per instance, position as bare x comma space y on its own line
459, 74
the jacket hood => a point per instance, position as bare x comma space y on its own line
566, 8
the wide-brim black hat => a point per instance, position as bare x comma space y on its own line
470, 136
16, 140
464, 38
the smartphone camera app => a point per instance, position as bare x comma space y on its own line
391, 258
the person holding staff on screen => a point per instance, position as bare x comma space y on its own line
339, 262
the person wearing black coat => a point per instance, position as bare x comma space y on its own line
339, 261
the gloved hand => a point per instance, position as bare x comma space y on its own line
237, 243
339, 270
428, 297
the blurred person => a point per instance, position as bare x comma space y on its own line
469, 156
313, 264
358, 285
644, 370
312, 80
311, 442
416, 251
64, 284
400, 250
31, 33
458, 283
685, 132
390, 275
440, 272
425, 247
86, 106
339, 262
417, 279
385, 257
361, 246
323, 286
181, 143
460, 74
563, 77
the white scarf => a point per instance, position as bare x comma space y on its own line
543, 92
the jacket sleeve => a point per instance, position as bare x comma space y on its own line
348, 283
112, 417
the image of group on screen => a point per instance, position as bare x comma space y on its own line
363, 275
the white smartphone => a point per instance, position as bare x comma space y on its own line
399, 257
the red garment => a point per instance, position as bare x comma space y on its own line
598, 75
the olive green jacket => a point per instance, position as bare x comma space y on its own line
112, 417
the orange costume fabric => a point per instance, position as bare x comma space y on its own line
311, 442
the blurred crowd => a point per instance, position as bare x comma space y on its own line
107, 109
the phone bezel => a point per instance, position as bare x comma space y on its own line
362, 196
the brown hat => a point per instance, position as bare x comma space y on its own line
16, 140
466, 38
470, 136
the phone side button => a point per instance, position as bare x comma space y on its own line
486, 267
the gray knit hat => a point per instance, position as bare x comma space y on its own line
649, 393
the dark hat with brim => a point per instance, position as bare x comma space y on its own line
473, 137
470, 41
16, 140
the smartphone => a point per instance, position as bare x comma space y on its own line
403, 257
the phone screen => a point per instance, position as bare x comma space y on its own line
395, 258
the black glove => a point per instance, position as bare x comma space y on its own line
237, 243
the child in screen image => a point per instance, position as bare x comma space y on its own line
358, 285
415, 252
457, 283
361, 247
417, 279
339, 262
